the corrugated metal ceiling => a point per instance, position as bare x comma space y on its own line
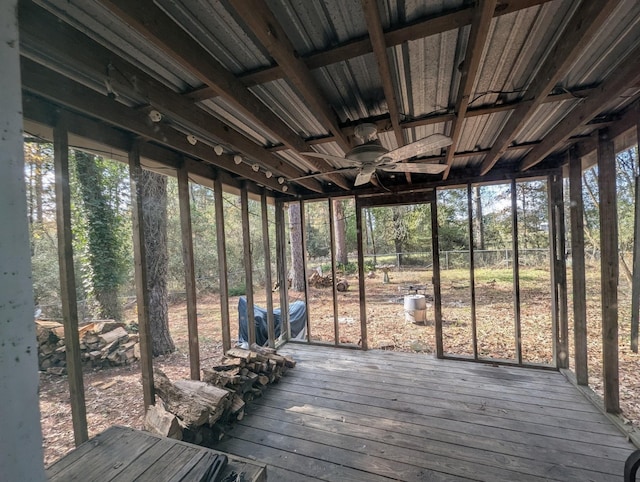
426, 72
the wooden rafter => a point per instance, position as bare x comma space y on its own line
379, 46
53, 38
626, 74
577, 34
265, 26
424, 27
383, 122
475, 47
154, 25
55, 87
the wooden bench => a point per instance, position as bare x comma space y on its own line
125, 454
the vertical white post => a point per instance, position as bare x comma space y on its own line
21, 455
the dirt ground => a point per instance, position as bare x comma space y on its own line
114, 396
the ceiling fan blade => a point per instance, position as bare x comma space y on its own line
434, 141
414, 167
364, 176
320, 174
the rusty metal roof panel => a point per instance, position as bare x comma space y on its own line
516, 49
227, 113
425, 69
353, 88
96, 21
615, 39
319, 25
467, 161
544, 119
479, 132
213, 24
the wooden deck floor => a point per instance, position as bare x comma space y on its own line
346, 415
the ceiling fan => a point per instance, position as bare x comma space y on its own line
371, 155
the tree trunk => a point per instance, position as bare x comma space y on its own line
297, 256
479, 222
102, 230
154, 205
398, 238
339, 227
38, 191
369, 218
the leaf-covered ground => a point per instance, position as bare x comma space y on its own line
114, 396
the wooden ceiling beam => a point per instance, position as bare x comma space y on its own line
379, 46
59, 89
578, 32
480, 26
421, 28
44, 112
57, 40
264, 25
625, 75
383, 123
158, 28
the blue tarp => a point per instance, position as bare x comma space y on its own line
297, 320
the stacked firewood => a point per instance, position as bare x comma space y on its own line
103, 343
316, 280
201, 411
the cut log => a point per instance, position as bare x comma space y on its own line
195, 403
263, 350
221, 378
342, 285
113, 335
245, 355
157, 420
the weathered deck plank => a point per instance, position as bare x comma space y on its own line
352, 415
124, 454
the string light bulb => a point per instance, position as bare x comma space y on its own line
237, 159
191, 139
268, 174
218, 149
281, 180
255, 168
285, 188
155, 116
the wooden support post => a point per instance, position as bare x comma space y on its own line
332, 235
472, 273
516, 272
361, 288
578, 269
303, 231
560, 317
222, 264
609, 270
189, 271
437, 293
248, 263
635, 284
283, 274
68, 283
21, 454
140, 263
271, 329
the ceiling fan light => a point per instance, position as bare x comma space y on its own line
191, 139
218, 149
237, 159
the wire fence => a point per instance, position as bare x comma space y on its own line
459, 259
